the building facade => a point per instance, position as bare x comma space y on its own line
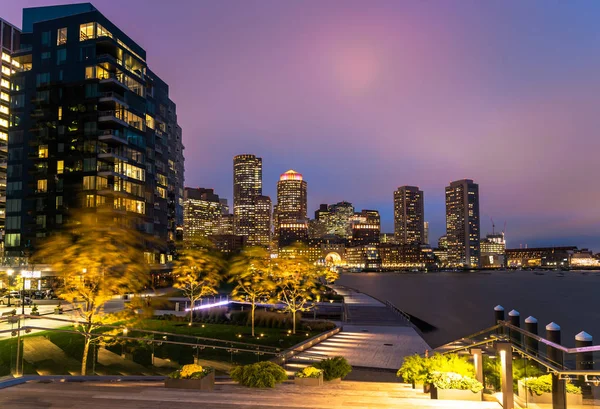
247, 186
366, 228
544, 257
493, 251
10, 40
409, 213
201, 214
291, 199
462, 223
261, 232
92, 128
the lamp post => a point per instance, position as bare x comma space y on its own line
10, 273
23, 295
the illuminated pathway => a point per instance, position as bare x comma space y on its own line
152, 395
374, 336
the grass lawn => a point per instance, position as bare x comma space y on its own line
139, 354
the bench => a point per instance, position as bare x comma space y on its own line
7, 313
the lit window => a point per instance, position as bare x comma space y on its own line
6, 57
4, 109
90, 201
4, 96
43, 151
60, 166
86, 31
42, 185
6, 70
59, 201
5, 83
61, 36
59, 113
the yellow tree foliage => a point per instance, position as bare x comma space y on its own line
97, 256
297, 284
197, 273
251, 273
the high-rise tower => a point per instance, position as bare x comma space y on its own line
247, 187
462, 223
408, 215
291, 199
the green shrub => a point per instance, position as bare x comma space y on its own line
309, 372
333, 368
191, 371
543, 384
259, 375
416, 368
451, 380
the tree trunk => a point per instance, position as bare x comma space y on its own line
252, 317
86, 349
192, 302
294, 322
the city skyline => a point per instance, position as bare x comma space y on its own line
518, 120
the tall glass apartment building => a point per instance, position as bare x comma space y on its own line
10, 39
91, 127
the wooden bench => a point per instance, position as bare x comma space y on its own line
7, 313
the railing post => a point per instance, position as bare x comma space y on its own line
515, 320
478, 363
531, 325
506, 374
18, 346
559, 395
499, 316
584, 361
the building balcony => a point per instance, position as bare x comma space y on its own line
112, 135
113, 117
108, 57
114, 98
111, 154
113, 79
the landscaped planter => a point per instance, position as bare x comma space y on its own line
454, 394
205, 384
530, 397
309, 381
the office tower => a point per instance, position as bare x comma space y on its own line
335, 219
291, 233
366, 228
261, 229
93, 128
462, 223
201, 213
291, 199
426, 233
226, 224
224, 206
408, 215
493, 251
10, 39
247, 186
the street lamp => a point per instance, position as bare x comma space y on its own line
10, 273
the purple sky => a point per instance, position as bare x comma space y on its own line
363, 97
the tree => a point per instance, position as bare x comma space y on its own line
197, 272
251, 272
297, 284
98, 256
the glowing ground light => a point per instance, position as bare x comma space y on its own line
205, 306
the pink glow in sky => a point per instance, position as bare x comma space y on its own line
363, 97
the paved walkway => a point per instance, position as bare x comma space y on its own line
150, 395
374, 336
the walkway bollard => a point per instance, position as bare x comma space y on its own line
531, 325
506, 374
584, 360
559, 395
499, 316
515, 320
478, 363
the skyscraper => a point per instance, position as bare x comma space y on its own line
261, 231
247, 186
462, 223
10, 39
202, 212
291, 199
93, 128
408, 215
366, 228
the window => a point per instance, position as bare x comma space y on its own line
86, 31
60, 113
3, 136
90, 201
59, 219
61, 56
43, 151
60, 166
12, 240
43, 96
89, 182
42, 185
59, 202
15, 153
13, 222
46, 55
90, 72
90, 128
60, 147
61, 36
4, 83
46, 38
42, 79
14, 171
91, 90
4, 109
89, 164
4, 96
13, 205
87, 53
40, 220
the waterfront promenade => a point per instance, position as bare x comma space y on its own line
374, 336
227, 395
